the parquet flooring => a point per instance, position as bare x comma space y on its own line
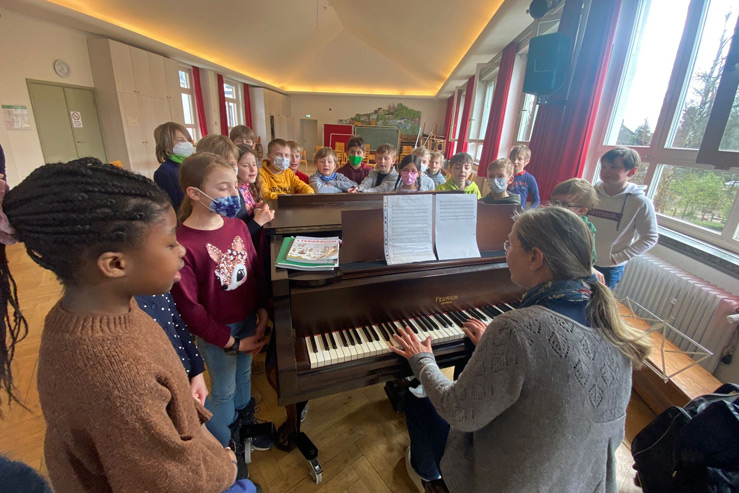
361, 440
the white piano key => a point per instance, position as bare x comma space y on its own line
352, 348
323, 355
311, 355
334, 355
364, 350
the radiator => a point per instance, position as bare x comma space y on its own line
693, 306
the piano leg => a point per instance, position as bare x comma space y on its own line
290, 436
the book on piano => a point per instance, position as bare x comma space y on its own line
308, 253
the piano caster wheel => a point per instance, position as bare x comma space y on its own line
316, 472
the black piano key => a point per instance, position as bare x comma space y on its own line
325, 341
390, 329
356, 336
393, 327
375, 332
496, 310
489, 311
448, 319
370, 335
430, 322
440, 318
332, 340
313, 343
456, 318
408, 324
343, 339
479, 314
503, 307
350, 337
420, 321
384, 332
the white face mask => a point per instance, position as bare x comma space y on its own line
183, 149
498, 185
281, 163
424, 167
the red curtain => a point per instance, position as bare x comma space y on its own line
247, 106
562, 133
465, 123
448, 126
491, 144
222, 106
199, 108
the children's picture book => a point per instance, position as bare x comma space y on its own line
328, 247
314, 250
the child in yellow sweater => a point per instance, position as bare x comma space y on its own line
277, 177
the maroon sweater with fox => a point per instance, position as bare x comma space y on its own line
222, 280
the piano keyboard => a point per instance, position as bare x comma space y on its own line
370, 340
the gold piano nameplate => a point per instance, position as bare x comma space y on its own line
445, 300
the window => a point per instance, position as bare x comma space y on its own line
485, 79
188, 103
664, 74
526, 118
234, 106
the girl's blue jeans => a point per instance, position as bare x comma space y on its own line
230, 381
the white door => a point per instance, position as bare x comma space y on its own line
309, 137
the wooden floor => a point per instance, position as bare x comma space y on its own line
361, 440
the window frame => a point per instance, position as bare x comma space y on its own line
189, 92
486, 76
658, 154
237, 101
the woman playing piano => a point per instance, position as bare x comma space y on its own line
541, 404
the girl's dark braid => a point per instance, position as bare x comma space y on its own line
65, 212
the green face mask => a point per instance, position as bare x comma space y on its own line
355, 160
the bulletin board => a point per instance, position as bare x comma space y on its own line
376, 136
333, 133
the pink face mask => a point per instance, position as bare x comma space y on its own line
408, 177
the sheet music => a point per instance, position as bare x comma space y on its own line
408, 226
456, 226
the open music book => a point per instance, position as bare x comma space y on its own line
308, 253
415, 224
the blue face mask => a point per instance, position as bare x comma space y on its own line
224, 206
498, 185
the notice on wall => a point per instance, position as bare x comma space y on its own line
16, 117
76, 117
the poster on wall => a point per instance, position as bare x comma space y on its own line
16, 117
395, 115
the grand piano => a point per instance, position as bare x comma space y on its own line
333, 329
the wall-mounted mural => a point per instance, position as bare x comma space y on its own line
395, 115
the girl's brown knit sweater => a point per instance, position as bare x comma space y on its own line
120, 415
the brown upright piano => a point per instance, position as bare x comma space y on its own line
332, 329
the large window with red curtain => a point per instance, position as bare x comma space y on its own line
668, 59
230, 97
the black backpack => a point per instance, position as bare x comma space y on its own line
693, 448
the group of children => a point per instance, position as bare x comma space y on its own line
109, 235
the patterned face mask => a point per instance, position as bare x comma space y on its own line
408, 177
224, 206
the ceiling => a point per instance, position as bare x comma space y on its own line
388, 47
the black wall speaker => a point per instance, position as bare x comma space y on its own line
548, 64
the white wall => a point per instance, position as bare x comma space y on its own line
331, 109
30, 47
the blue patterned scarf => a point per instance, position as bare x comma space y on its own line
570, 290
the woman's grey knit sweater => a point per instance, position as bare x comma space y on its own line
540, 406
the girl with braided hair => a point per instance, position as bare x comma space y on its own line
411, 178
119, 410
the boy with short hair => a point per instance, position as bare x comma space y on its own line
436, 163
578, 196
355, 169
524, 183
243, 135
277, 177
424, 156
624, 218
384, 176
500, 176
460, 168
296, 155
